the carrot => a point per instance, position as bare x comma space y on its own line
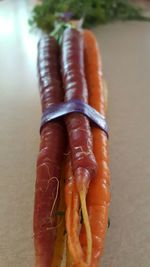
49, 160
84, 165
68, 256
98, 196
72, 214
79, 132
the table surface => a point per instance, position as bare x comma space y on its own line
126, 64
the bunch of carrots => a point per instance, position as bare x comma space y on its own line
72, 181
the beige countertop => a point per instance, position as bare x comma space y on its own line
125, 49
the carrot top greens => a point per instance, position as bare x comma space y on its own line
94, 12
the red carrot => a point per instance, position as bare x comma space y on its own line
80, 139
50, 155
78, 127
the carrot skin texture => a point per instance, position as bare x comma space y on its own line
78, 127
60, 236
49, 72
98, 196
50, 155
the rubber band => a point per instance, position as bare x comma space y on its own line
59, 110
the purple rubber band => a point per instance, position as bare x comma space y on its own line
58, 110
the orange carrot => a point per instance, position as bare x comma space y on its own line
72, 215
68, 256
98, 196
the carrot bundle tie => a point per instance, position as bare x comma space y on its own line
74, 106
